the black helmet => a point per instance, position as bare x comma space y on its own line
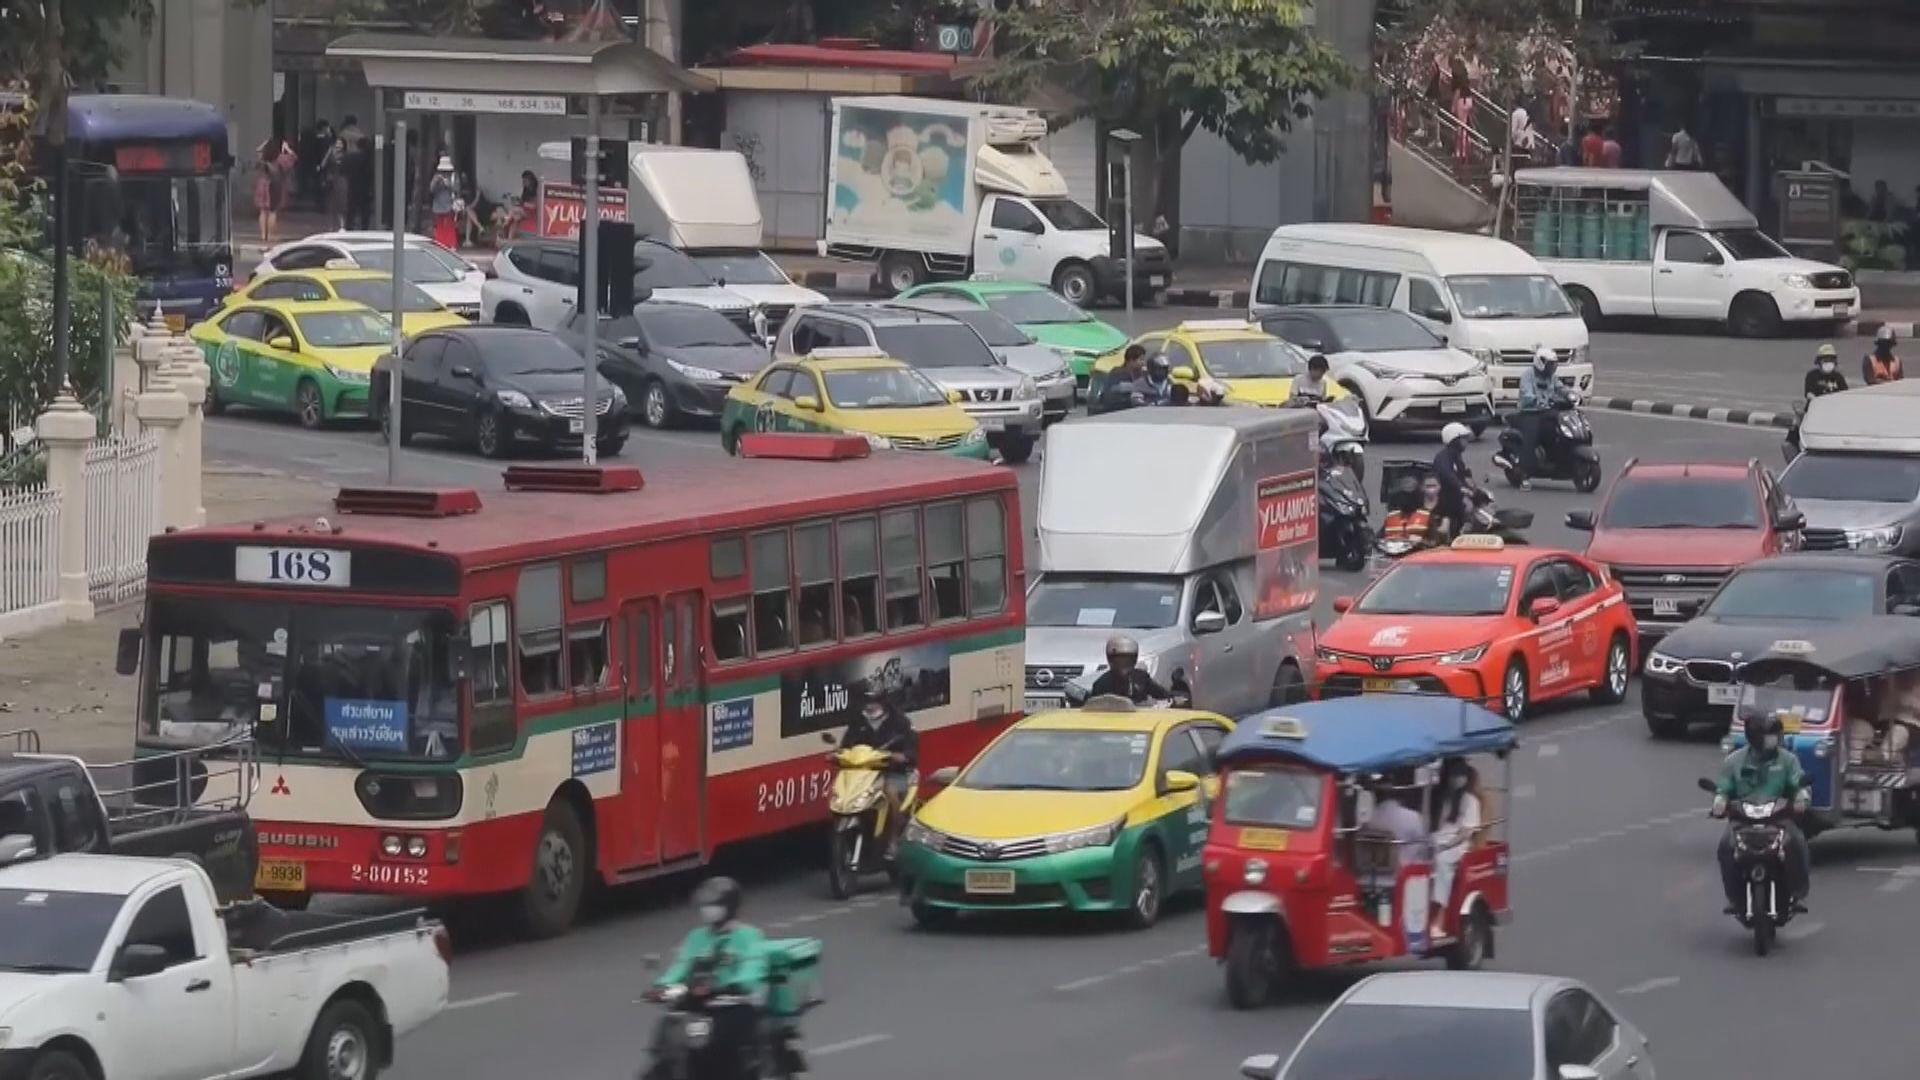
1122, 645
1157, 364
718, 899
1763, 734
1406, 493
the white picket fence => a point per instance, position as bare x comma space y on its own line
123, 510
29, 549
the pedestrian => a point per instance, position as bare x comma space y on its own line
267, 187
1521, 135
1592, 145
358, 171
1463, 116
333, 183
286, 166
1683, 152
1609, 151
441, 196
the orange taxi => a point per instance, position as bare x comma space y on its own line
1503, 626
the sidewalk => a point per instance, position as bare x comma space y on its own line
61, 681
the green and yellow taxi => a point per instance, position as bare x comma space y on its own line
1040, 313
373, 288
1255, 367
1098, 809
854, 392
312, 358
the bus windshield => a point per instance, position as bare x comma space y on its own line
334, 679
167, 226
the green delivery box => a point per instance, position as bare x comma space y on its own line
793, 971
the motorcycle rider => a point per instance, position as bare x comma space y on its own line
1125, 678
737, 952
1825, 378
1416, 515
1881, 365
1758, 771
1313, 385
1450, 468
1540, 391
883, 726
1137, 382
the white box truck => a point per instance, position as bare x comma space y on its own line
926, 188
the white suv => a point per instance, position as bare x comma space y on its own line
1404, 374
536, 281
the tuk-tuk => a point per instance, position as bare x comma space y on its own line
1848, 696
1302, 871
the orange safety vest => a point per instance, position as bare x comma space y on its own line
1879, 371
1409, 525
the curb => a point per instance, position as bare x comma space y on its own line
1213, 298
1867, 326
1715, 413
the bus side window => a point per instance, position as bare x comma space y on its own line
859, 578
541, 646
589, 648
987, 555
813, 570
727, 622
900, 551
490, 664
946, 560
772, 593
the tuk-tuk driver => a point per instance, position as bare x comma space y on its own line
1760, 770
1124, 675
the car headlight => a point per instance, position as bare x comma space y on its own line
1098, 836
1488, 357
1579, 354
347, 375
1464, 656
1027, 390
619, 395
692, 371
916, 833
1874, 539
1659, 663
1382, 371
977, 435
1255, 872
514, 399
878, 442
1324, 655
1796, 281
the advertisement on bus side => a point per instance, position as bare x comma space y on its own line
1287, 559
828, 695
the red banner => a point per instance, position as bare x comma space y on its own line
562, 206
1289, 510
1287, 565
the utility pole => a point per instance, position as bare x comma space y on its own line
53, 113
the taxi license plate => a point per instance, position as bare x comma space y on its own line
1453, 406
1723, 695
280, 875
575, 427
1042, 704
990, 882
1667, 606
1263, 839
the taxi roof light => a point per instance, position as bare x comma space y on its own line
1284, 727
1113, 703
848, 352
1217, 324
1479, 542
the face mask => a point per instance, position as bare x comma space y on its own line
1827, 366
713, 914
1770, 744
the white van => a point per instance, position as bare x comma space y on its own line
1484, 296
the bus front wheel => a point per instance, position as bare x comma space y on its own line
551, 898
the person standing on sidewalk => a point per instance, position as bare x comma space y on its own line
441, 196
357, 168
333, 183
1881, 365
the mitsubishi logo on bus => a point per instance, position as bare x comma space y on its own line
280, 786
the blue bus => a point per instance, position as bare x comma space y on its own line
151, 180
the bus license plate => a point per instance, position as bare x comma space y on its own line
280, 875
1723, 695
1453, 406
576, 427
1666, 606
990, 882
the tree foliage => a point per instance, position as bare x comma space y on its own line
1515, 45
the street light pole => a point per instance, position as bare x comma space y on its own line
394, 419
1126, 138
62, 285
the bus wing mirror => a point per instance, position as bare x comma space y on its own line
126, 659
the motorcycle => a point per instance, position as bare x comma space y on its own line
710, 1034
1760, 857
858, 842
1345, 536
1564, 450
1343, 430
1484, 518
1080, 691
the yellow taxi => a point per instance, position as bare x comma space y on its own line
1255, 367
312, 358
856, 392
1098, 809
418, 311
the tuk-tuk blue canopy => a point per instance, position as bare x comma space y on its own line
1370, 733
1853, 649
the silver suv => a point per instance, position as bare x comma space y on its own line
1005, 403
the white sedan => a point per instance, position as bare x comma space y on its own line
440, 273
1405, 374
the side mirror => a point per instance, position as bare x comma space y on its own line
1342, 604
1261, 1067
1209, 622
633, 343
1577, 1072
1580, 519
1790, 521
126, 658
944, 777
807, 402
283, 343
1178, 780
1542, 606
461, 371
17, 847
1185, 374
1312, 345
954, 397
137, 962
1438, 314
1706, 785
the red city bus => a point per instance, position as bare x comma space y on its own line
588, 674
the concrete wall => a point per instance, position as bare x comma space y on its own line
1228, 207
214, 51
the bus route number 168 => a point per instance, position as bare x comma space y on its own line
792, 791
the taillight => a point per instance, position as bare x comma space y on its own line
443, 943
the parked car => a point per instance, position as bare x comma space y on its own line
1481, 1023
497, 387
1403, 373
1014, 348
1670, 533
1044, 315
440, 273
124, 967
1005, 403
675, 361
536, 283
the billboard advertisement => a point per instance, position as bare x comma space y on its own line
827, 696
562, 206
901, 175
1286, 561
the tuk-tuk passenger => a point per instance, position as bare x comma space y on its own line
1458, 814
1395, 814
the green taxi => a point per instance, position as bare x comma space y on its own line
1040, 313
312, 358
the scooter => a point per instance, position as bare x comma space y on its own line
1079, 691
1564, 450
1484, 518
710, 1034
1345, 536
1760, 857
1343, 431
858, 843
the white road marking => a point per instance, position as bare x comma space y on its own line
1650, 985
1802, 931
1899, 878
845, 1045
483, 999
1582, 841
1549, 749
1130, 969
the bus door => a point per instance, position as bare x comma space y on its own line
640, 787
683, 745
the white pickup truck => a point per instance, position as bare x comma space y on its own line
117, 968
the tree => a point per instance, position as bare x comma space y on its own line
1520, 47
1245, 70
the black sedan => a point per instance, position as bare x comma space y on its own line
496, 387
1689, 675
675, 361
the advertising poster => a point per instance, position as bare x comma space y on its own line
827, 696
562, 206
901, 174
1287, 548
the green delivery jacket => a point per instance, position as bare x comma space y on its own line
743, 958
1743, 777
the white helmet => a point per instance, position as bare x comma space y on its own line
1545, 358
1454, 432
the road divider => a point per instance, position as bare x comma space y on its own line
1713, 413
